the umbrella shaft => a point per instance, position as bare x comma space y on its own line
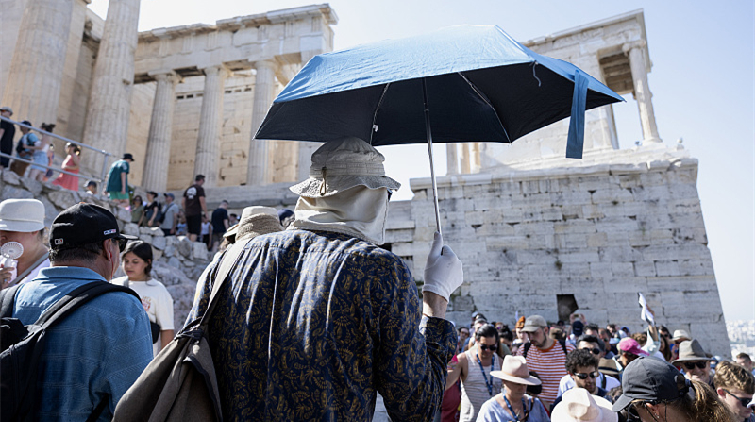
430, 154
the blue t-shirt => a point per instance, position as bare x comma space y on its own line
94, 354
492, 411
114, 175
218, 216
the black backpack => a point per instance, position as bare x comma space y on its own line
21, 348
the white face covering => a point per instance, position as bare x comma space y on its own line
359, 211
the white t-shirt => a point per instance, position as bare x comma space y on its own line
156, 300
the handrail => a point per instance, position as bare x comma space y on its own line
58, 169
62, 138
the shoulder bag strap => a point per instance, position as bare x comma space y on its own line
226, 264
526, 349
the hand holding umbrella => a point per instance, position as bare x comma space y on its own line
443, 273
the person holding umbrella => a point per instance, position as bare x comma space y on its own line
314, 321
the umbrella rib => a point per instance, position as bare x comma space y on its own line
374, 116
482, 97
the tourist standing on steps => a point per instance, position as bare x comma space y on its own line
7, 132
151, 211
194, 206
329, 319
23, 221
169, 215
156, 300
474, 369
91, 357
24, 150
117, 180
219, 221
71, 165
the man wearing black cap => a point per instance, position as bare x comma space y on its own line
98, 351
117, 180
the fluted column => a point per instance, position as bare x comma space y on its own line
210, 118
452, 159
264, 92
113, 78
636, 53
465, 167
36, 69
160, 133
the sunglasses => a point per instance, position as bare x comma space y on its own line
492, 347
121, 243
594, 350
691, 365
744, 402
595, 374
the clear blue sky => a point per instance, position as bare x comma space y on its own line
702, 84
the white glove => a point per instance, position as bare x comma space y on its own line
443, 272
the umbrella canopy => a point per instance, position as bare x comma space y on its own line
481, 86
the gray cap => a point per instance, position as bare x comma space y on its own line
650, 379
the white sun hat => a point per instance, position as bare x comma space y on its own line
22, 215
578, 405
344, 164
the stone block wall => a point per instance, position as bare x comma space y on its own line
601, 232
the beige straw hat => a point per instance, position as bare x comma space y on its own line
257, 221
514, 369
578, 405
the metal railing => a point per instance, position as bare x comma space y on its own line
105, 162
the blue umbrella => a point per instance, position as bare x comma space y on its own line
457, 84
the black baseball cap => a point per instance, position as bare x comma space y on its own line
650, 379
84, 223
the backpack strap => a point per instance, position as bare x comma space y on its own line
80, 295
563, 346
526, 349
7, 298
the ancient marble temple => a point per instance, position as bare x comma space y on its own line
537, 233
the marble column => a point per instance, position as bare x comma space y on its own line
210, 121
465, 167
474, 158
34, 79
264, 94
160, 133
112, 81
452, 159
638, 67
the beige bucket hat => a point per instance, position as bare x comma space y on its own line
578, 405
256, 221
22, 215
514, 369
341, 165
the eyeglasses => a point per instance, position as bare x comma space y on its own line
744, 401
632, 414
691, 365
492, 347
595, 374
121, 243
594, 350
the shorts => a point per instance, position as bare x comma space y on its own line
118, 196
39, 158
217, 238
194, 224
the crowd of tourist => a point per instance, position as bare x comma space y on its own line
315, 319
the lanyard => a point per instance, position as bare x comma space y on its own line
492, 366
511, 409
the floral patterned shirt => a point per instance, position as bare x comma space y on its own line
311, 325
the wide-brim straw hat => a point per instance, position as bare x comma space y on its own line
514, 369
608, 367
578, 405
256, 221
22, 215
691, 351
681, 335
344, 164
